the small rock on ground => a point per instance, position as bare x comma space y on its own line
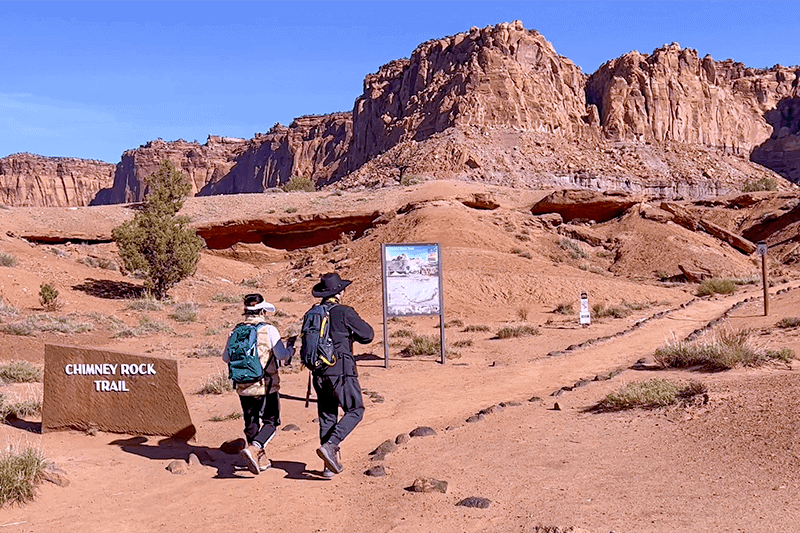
511, 403
177, 467
423, 431
193, 460
376, 471
428, 485
535, 399
556, 407
291, 427
387, 446
475, 501
402, 438
475, 418
233, 447
55, 475
492, 409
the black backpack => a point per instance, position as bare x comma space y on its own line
316, 350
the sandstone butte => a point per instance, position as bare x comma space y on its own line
494, 104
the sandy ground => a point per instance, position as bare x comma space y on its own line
730, 464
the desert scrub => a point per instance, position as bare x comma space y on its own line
522, 253
20, 472
462, 343
20, 372
216, 384
763, 184
7, 310
573, 248
184, 312
456, 322
226, 298
146, 326
402, 333
509, 332
290, 209
96, 262
36, 323
522, 313
474, 328
285, 299
202, 352
48, 297
236, 415
421, 345
16, 410
788, 322
616, 311
7, 260
144, 304
650, 394
253, 283
564, 309
716, 286
728, 350
299, 183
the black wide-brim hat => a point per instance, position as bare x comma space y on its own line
329, 284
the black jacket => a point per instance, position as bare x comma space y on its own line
346, 327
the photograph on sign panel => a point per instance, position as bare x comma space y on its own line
412, 279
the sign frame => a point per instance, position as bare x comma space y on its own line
388, 312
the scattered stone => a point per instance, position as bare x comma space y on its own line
511, 403
177, 467
387, 446
581, 383
475, 418
233, 447
556, 407
423, 431
315, 421
534, 399
378, 457
561, 391
402, 438
428, 485
193, 460
491, 410
204, 456
55, 475
647, 363
376, 471
475, 501
291, 427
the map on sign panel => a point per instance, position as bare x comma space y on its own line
412, 279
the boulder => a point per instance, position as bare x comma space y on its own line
584, 204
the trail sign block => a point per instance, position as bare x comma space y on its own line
585, 316
113, 391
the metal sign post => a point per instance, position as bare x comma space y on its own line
412, 286
585, 316
762, 251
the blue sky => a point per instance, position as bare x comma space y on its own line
93, 79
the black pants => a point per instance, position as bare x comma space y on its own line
261, 417
332, 392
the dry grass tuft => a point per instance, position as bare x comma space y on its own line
517, 331
727, 350
20, 372
20, 472
650, 394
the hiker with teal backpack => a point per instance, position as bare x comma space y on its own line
252, 353
329, 329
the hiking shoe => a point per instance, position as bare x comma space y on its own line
329, 453
328, 473
263, 462
250, 456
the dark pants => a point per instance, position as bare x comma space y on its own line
261, 417
333, 392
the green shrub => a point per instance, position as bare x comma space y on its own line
20, 472
299, 183
476, 328
728, 350
422, 345
650, 394
564, 309
158, 242
48, 297
763, 184
7, 260
574, 249
184, 312
217, 384
788, 322
716, 286
516, 331
20, 372
226, 298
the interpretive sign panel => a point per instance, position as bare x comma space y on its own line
113, 391
412, 284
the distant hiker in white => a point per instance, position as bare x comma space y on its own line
251, 352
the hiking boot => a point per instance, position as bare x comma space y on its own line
328, 473
263, 462
250, 456
329, 453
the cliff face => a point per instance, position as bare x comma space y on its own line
499, 76
201, 163
312, 146
672, 95
28, 180
781, 152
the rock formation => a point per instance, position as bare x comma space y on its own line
28, 180
201, 163
781, 152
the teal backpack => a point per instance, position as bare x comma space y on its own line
244, 366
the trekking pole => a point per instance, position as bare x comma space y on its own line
308, 390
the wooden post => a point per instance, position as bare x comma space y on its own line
385, 309
762, 251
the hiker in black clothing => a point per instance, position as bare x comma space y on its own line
337, 385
